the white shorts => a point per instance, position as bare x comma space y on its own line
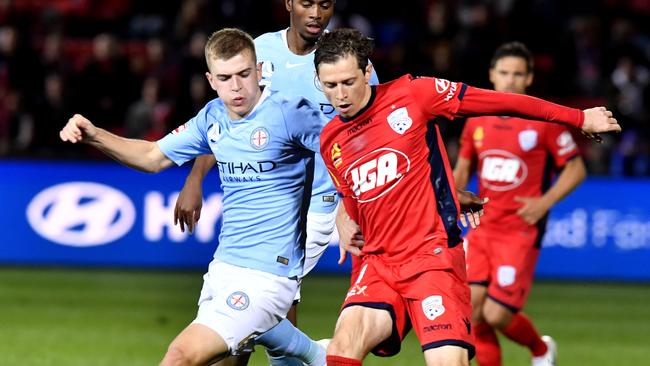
239, 303
320, 229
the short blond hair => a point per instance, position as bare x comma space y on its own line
227, 43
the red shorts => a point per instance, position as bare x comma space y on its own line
429, 294
503, 263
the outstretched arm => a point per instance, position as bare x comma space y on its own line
476, 101
534, 208
141, 155
189, 202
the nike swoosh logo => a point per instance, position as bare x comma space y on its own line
289, 65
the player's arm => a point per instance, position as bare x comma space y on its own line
471, 206
476, 101
535, 208
141, 155
187, 211
462, 172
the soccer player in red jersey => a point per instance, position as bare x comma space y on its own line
386, 157
513, 159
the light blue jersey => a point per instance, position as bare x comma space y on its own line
295, 75
263, 161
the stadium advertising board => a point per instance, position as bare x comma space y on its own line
103, 214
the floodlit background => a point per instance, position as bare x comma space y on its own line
92, 270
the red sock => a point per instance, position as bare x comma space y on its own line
522, 331
488, 352
342, 361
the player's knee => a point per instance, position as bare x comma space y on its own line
497, 319
177, 356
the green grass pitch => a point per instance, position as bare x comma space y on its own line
81, 317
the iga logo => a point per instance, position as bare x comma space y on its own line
502, 170
81, 214
382, 168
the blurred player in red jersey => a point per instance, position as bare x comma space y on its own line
386, 157
513, 159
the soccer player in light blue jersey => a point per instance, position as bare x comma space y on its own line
265, 144
287, 58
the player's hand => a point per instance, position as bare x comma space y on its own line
533, 209
471, 208
188, 205
350, 237
78, 129
598, 120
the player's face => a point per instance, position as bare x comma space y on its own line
310, 17
345, 85
236, 81
510, 74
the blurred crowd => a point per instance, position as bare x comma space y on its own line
137, 67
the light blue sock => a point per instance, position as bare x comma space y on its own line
286, 340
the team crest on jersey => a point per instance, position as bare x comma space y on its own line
478, 137
527, 139
179, 129
260, 138
238, 300
432, 307
442, 85
566, 143
506, 275
337, 160
399, 120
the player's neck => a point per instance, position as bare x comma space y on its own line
297, 44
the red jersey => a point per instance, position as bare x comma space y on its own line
514, 157
390, 165
391, 159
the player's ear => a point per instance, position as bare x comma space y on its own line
368, 73
211, 80
529, 79
288, 4
258, 68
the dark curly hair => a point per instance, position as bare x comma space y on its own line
340, 43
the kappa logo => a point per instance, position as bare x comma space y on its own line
377, 173
238, 300
527, 139
502, 170
442, 85
399, 120
260, 138
81, 214
433, 307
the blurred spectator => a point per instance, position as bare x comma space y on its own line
148, 117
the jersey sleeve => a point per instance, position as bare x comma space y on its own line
304, 123
560, 144
478, 102
438, 97
467, 150
331, 153
189, 140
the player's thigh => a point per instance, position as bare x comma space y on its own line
239, 303
440, 309
477, 258
446, 356
197, 345
478, 295
514, 259
372, 312
359, 329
